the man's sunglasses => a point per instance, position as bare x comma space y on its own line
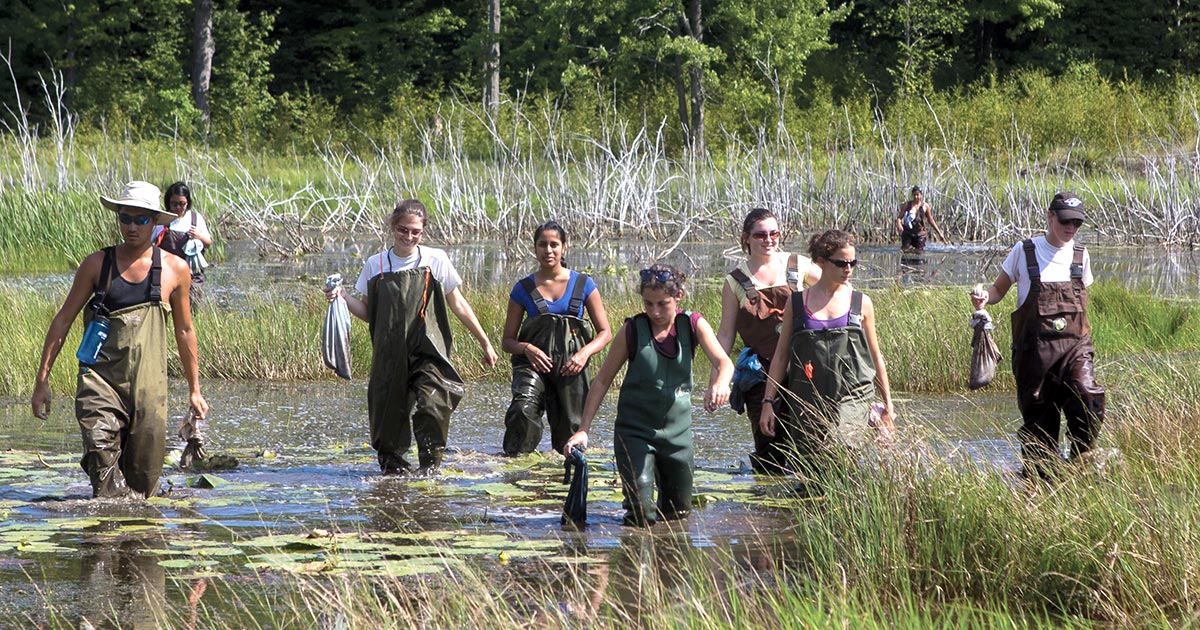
842, 264
1078, 223
141, 219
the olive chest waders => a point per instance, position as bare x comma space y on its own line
759, 317
1053, 364
560, 397
652, 435
413, 387
121, 401
830, 387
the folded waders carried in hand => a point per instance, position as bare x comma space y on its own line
335, 334
575, 507
191, 432
985, 354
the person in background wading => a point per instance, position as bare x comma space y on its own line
121, 397
753, 300
413, 387
188, 225
551, 346
652, 434
911, 220
825, 369
1052, 356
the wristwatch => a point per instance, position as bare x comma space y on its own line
771, 401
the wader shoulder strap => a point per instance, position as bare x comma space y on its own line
855, 317
156, 274
631, 336
575, 306
747, 286
683, 324
1077, 262
539, 302
1031, 264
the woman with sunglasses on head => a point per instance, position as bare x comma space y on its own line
1053, 355
130, 290
413, 387
551, 344
752, 304
826, 367
652, 434
186, 236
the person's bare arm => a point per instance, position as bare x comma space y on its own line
722, 376
881, 376
82, 288
185, 332
994, 293
462, 309
617, 356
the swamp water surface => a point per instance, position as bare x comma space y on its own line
306, 497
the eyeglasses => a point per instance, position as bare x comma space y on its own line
1075, 222
762, 236
413, 232
842, 264
141, 219
661, 275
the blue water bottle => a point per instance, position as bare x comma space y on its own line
93, 340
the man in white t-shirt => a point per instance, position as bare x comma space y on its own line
1053, 356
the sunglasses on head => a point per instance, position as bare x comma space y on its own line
842, 264
661, 275
413, 232
762, 236
141, 219
1075, 222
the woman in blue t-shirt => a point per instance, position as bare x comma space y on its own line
551, 344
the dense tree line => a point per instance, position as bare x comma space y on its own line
255, 67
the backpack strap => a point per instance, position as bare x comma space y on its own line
1077, 262
576, 303
1031, 264
156, 274
855, 317
107, 271
747, 286
539, 302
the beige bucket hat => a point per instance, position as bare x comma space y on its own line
138, 194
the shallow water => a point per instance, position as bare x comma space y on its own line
305, 464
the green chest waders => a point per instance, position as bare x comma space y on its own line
1053, 364
652, 436
759, 318
413, 387
830, 386
559, 397
121, 401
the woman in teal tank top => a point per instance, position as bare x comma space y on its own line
652, 434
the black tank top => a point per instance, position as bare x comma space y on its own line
122, 293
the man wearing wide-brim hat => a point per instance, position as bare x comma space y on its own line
1053, 356
121, 392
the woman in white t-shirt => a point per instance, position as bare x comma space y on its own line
413, 387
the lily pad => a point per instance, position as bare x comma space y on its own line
207, 480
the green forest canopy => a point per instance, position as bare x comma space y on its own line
285, 67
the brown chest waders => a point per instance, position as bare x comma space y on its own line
652, 435
830, 387
413, 387
534, 393
1053, 365
121, 401
759, 318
